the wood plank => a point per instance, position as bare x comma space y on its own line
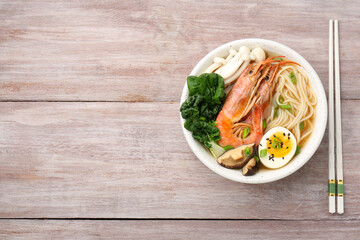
131, 160
143, 50
270, 230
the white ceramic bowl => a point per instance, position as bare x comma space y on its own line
264, 175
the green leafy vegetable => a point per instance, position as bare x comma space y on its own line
193, 85
292, 77
264, 123
278, 58
297, 150
301, 125
216, 150
263, 152
247, 152
256, 158
205, 132
209, 85
206, 97
246, 132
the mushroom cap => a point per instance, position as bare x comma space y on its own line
250, 167
219, 60
232, 52
258, 54
236, 158
244, 49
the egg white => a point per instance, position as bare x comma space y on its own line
276, 162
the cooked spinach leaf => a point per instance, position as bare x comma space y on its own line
206, 97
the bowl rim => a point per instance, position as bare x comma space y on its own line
202, 153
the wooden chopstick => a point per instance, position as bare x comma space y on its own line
331, 187
339, 160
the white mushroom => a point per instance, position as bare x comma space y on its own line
230, 68
235, 58
235, 63
232, 53
216, 67
257, 54
217, 63
231, 79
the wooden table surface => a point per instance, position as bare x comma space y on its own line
90, 140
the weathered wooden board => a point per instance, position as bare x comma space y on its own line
131, 160
143, 50
269, 230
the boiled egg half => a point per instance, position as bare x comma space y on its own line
277, 147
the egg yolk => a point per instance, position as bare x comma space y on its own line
279, 144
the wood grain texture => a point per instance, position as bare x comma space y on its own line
127, 160
143, 50
131, 160
231, 230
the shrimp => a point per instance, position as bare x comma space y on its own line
246, 103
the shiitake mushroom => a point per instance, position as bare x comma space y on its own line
250, 167
237, 157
